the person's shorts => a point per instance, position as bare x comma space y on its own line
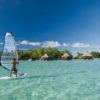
14, 69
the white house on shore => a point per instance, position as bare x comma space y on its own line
65, 56
87, 56
45, 57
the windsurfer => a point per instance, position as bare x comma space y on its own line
14, 69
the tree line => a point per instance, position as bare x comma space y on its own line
95, 54
54, 53
37, 53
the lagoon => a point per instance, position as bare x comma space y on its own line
54, 80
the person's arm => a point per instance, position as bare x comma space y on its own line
17, 62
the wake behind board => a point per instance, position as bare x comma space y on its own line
22, 75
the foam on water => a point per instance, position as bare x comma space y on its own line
54, 80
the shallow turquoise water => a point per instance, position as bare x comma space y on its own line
54, 80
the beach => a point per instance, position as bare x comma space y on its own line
54, 80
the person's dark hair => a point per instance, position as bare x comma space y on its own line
14, 58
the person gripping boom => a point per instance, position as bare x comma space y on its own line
14, 69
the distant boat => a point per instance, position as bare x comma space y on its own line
29, 59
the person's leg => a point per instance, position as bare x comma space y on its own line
15, 72
11, 73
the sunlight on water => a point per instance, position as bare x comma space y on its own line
54, 80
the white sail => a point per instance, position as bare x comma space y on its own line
9, 52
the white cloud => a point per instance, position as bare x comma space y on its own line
34, 43
25, 42
80, 45
51, 44
65, 45
43, 44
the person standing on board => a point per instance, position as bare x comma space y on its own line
14, 69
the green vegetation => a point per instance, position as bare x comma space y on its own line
79, 56
95, 54
53, 53
36, 54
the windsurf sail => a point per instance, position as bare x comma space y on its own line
9, 52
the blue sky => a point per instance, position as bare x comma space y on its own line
66, 24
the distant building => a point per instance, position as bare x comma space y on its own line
65, 56
45, 57
87, 56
